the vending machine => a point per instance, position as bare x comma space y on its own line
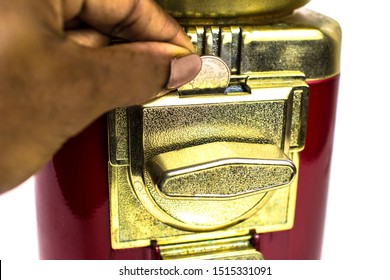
233, 165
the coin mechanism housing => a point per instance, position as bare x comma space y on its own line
194, 166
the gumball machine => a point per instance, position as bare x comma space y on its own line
233, 165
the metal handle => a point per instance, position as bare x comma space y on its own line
221, 170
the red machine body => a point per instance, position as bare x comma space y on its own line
73, 198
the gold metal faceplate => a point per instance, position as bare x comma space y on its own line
229, 8
189, 168
303, 41
234, 248
216, 167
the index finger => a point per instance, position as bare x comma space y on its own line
138, 20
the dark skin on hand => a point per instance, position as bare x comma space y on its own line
58, 73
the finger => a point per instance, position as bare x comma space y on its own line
123, 75
88, 37
138, 20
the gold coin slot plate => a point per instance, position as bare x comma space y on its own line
139, 213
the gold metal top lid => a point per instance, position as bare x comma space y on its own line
228, 8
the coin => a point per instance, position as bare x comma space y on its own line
214, 74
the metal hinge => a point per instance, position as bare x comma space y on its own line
234, 248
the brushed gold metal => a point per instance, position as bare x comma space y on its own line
237, 248
220, 170
303, 41
243, 132
229, 8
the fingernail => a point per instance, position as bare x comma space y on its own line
183, 70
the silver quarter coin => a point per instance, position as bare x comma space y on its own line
215, 74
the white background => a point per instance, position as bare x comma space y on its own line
358, 223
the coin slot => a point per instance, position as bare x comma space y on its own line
204, 91
214, 77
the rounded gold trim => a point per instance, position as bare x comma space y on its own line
228, 8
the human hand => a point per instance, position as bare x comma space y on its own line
58, 74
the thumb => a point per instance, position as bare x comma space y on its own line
143, 70
133, 73
65, 86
